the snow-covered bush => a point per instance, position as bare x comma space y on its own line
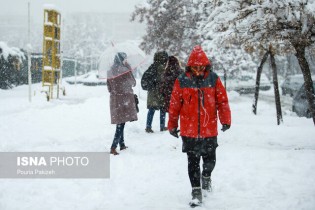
11, 61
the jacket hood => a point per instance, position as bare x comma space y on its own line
160, 57
173, 63
198, 57
120, 57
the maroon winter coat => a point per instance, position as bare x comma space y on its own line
122, 100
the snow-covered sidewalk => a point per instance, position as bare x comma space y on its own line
259, 165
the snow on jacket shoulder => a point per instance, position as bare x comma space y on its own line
198, 102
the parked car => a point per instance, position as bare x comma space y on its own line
300, 104
246, 82
89, 79
292, 84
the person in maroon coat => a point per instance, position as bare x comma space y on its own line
198, 100
122, 100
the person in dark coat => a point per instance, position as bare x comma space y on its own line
122, 99
173, 70
152, 81
198, 100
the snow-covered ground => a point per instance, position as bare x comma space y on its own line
259, 165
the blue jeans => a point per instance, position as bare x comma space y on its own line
119, 136
150, 118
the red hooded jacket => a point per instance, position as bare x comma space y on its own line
198, 102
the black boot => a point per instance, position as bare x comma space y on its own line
123, 147
149, 130
196, 197
206, 183
164, 129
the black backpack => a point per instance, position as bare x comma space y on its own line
148, 80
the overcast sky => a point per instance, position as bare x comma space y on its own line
19, 7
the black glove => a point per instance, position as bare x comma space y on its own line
174, 132
225, 127
137, 102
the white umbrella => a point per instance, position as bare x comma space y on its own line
118, 53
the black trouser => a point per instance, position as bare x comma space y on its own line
194, 166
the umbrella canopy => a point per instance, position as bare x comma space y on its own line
119, 59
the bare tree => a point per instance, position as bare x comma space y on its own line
275, 84
259, 71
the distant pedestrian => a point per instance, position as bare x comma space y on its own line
173, 70
122, 99
199, 99
152, 81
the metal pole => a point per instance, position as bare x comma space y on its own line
91, 63
29, 56
62, 22
86, 65
75, 72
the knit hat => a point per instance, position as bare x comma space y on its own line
198, 57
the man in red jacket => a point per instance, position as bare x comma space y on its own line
198, 98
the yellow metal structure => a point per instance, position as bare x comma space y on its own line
51, 51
